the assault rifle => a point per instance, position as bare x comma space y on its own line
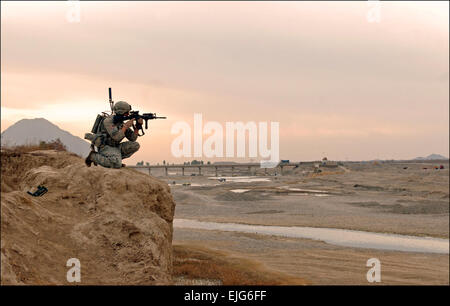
145, 117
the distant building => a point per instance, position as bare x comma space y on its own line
328, 163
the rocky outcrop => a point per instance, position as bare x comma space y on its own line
118, 223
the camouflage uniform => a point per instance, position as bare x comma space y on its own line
110, 150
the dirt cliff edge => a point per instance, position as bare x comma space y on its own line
118, 223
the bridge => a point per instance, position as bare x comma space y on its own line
216, 167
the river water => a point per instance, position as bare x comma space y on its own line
341, 237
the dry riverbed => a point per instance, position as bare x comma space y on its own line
380, 198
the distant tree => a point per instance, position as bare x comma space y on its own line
164, 162
52, 145
147, 164
208, 163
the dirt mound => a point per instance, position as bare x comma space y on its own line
118, 223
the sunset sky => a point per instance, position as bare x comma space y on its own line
339, 85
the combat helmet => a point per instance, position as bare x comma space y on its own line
121, 107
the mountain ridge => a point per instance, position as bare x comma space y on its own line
32, 131
432, 156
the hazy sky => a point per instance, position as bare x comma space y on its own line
338, 85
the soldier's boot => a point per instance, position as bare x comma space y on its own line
89, 159
123, 165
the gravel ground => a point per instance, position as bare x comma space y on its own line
365, 196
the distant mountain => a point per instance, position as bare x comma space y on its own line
32, 131
431, 157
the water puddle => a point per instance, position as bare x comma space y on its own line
239, 190
341, 237
241, 179
303, 190
300, 191
187, 184
309, 194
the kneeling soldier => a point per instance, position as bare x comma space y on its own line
113, 129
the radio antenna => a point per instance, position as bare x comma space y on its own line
111, 103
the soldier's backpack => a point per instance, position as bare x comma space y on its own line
97, 136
